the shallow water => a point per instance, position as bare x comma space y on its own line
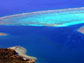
54, 18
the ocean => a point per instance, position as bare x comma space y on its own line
47, 44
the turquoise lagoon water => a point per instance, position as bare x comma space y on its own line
55, 18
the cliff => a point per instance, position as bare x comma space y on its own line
8, 55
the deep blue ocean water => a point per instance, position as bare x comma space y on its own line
48, 44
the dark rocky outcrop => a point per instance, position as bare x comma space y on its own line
10, 56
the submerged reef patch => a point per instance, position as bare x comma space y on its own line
3, 34
55, 18
81, 30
